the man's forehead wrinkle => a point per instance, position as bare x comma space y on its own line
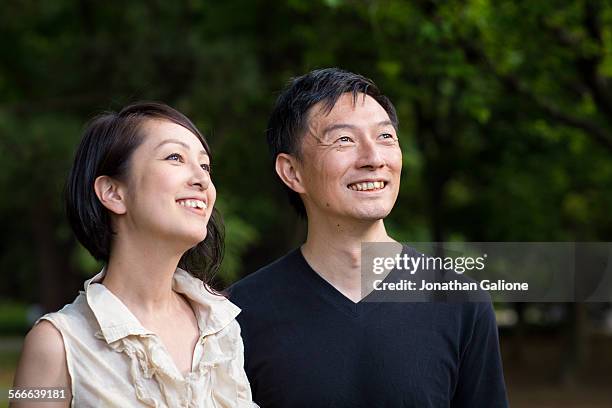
319, 129
327, 105
324, 108
313, 132
315, 115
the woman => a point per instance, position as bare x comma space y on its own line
146, 331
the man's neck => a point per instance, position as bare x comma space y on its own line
333, 250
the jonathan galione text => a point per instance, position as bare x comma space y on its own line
453, 285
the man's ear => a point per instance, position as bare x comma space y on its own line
110, 194
287, 169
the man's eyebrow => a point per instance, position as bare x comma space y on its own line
178, 142
337, 126
348, 126
385, 123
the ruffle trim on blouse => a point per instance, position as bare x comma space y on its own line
151, 364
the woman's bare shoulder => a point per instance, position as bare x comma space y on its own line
43, 358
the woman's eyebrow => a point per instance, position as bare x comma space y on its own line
178, 142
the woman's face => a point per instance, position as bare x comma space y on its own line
169, 192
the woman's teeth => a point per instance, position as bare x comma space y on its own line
366, 186
193, 203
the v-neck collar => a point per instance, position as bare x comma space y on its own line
327, 291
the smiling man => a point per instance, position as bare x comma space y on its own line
310, 339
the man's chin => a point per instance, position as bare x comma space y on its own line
371, 215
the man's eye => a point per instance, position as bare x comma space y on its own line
206, 167
345, 139
175, 157
386, 136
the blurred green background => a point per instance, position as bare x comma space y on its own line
505, 114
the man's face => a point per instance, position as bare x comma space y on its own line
350, 161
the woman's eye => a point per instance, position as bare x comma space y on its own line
205, 167
386, 136
345, 139
175, 157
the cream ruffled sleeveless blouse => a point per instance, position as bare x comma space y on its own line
113, 361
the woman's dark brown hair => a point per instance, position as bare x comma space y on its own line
108, 143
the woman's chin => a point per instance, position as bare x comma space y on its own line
198, 238
186, 242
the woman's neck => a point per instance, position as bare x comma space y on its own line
140, 274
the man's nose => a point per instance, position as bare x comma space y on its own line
370, 155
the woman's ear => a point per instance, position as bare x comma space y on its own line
111, 194
287, 169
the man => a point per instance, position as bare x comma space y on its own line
310, 339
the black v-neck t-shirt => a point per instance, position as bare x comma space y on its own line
307, 345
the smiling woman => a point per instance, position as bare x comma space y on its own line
147, 330
107, 148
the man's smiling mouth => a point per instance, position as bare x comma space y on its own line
367, 186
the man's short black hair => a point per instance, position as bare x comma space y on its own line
289, 119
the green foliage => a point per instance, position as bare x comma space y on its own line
13, 318
505, 111
239, 236
84, 262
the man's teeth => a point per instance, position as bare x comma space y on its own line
370, 185
193, 203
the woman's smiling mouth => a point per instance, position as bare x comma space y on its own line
194, 205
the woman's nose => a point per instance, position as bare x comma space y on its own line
200, 177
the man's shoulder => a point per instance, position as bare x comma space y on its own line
265, 279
